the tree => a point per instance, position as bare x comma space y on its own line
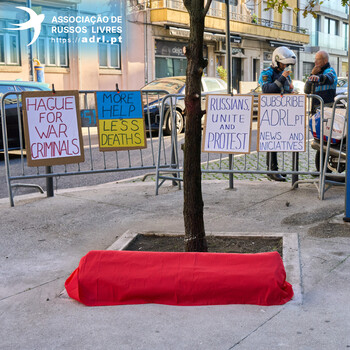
193, 200
280, 5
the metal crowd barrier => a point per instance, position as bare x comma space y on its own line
295, 164
167, 162
112, 161
334, 164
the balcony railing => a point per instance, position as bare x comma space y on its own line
137, 5
328, 41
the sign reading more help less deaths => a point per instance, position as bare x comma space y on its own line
281, 124
227, 124
121, 124
52, 128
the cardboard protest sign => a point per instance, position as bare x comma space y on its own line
228, 122
52, 128
120, 121
281, 123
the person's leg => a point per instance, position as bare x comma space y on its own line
272, 164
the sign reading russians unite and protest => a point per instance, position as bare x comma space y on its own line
281, 123
228, 122
52, 128
121, 125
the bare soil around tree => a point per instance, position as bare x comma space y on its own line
216, 244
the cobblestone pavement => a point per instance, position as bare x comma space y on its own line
257, 161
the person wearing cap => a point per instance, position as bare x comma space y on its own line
324, 78
276, 80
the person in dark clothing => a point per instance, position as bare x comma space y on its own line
324, 78
276, 80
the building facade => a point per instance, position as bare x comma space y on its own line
329, 31
255, 33
147, 44
79, 43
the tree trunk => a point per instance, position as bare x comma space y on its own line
193, 201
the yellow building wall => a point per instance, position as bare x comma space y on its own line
180, 17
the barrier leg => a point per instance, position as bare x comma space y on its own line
295, 177
49, 182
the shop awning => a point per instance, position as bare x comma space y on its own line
210, 36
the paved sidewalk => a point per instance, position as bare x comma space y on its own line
43, 239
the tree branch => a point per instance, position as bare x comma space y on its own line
187, 4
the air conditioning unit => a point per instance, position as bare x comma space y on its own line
220, 47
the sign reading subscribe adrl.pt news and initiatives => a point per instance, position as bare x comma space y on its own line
281, 123
228, 122
121, 125
52, 128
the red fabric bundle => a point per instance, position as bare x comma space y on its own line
125, 277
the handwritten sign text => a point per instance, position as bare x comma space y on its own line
228, 124
281, 123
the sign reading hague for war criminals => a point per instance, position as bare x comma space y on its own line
228, 122
281, 123
121, 125
52, 128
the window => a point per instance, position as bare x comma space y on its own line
52, 46
331, 26
9, 98
170, 67
250, 5
9, 44
315, 24
2, 48
212, 84
215, 9
345, 35
266, 15
109, 55
232, 7
27, 88
287, 18
307, 68
6, 88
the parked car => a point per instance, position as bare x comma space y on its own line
12, 125
175, 85
342, 86
298, 88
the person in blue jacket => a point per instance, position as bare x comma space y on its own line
324, 78
276, 80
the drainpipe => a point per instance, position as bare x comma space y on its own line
30, 52
229, 77
146, 45
299, 61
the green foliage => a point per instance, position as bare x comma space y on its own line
254, 18
222, 72
277, 5
280, 5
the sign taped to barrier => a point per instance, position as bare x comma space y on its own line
228, 124
120, 121
281, 123
52, 128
